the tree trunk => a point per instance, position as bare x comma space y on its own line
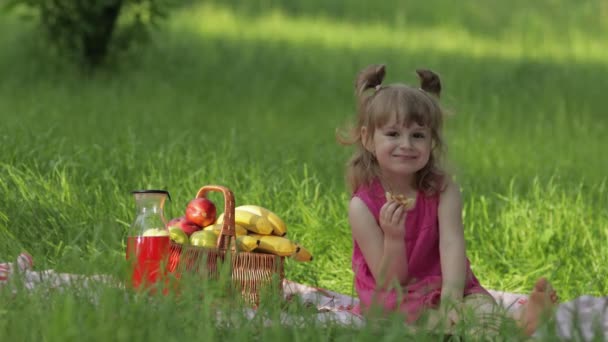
96, 41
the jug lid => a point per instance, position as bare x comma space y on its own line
152, 192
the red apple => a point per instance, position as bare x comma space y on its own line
201, 211
183, 224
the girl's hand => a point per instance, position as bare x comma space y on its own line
392, 219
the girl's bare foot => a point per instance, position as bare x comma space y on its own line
540, 304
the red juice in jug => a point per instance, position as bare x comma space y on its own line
148, 256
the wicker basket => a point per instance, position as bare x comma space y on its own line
251, 272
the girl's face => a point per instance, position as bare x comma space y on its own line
401, 150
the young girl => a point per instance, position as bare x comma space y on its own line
405, 212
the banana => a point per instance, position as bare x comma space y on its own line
302, 254
252, 222
246, 243
275, 245
279, 227
217, 228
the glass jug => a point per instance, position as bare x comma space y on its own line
148, 238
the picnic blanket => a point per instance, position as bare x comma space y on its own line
585, 317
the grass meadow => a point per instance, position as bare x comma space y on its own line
248, 94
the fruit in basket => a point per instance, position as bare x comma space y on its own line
156, 232
201, 211
204, 238
302, 254
183, 224
217, 228
252, 222
275, 245
246, 243
279, 227
178, 236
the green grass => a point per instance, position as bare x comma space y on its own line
249, 94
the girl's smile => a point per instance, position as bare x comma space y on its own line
401, 150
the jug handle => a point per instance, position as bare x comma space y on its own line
228, 231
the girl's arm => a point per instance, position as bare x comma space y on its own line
452, 244
384, 253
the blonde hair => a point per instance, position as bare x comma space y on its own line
408, 104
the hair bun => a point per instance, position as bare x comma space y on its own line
370, 77
429, 81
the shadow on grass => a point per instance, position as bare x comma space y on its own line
296, 91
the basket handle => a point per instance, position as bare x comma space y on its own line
228, 231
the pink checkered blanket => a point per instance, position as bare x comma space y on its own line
582, 318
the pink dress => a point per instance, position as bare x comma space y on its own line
422, 250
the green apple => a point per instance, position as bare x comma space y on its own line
203, 238
156, 232
178, 236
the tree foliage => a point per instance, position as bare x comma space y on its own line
92, 29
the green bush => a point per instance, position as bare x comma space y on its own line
90, 30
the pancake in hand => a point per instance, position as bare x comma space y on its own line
407, 203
